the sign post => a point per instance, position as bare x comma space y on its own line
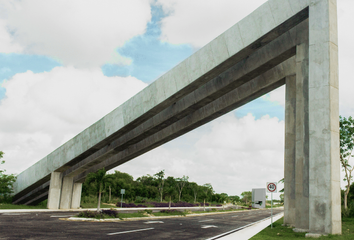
271, 188
122, 191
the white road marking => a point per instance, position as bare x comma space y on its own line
206, 220
138, 230
209, 226
60, 216
148, 222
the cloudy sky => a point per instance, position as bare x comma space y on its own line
65, 64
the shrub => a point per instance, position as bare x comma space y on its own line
99, 215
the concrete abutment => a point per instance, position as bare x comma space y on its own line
63, 192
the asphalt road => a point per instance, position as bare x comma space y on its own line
47, 225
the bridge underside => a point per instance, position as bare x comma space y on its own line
292, 52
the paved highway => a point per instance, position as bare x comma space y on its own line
47, 225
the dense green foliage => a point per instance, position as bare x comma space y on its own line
99, 181
346, 126
6, 182
155, 187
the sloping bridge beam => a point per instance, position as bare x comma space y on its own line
203, 87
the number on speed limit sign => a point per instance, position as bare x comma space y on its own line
271, 187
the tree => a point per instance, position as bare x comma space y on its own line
194, 188
346, 126
180, 183
207, 190
6, 181
246, 196
100, 179
160, 179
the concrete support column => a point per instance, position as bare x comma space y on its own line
289, 151
325, 202
302, 138
54, 190
76, 197
66, 193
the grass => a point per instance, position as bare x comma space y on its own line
170, 213
94, 205
282, 232
13, 206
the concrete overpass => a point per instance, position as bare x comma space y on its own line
292, 42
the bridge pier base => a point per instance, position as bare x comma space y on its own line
63, 192
76, 197
54, 190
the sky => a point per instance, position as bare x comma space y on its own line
65, 64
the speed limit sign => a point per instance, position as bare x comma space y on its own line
271, 187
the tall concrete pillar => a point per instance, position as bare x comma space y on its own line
66, 193
289, 151
302, 137
76, 196
325, 202
54, 190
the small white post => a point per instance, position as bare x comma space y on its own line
271, 207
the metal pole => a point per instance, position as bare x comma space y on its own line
271, 207
121, 201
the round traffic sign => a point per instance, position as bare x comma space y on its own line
271, 187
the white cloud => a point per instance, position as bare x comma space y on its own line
276, 96
79, 33
7, 44
233, 154
198, 22
41, 111
346, 53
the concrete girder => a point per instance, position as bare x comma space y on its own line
316, 158
245, 93
186, 77
256, 64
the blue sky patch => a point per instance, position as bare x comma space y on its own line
12, 63
150, 57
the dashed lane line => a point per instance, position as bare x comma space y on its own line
149, 222
138, 230
209, 226
207, 220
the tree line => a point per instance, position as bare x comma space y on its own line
155, 187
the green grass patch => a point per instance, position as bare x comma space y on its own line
170, 213
282, 232
14, 206
94, 205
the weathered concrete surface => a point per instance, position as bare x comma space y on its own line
257, 63
324, 165
54, 193
269, 81
302, 137
76, 196
217, 56
289, 151
228, 72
